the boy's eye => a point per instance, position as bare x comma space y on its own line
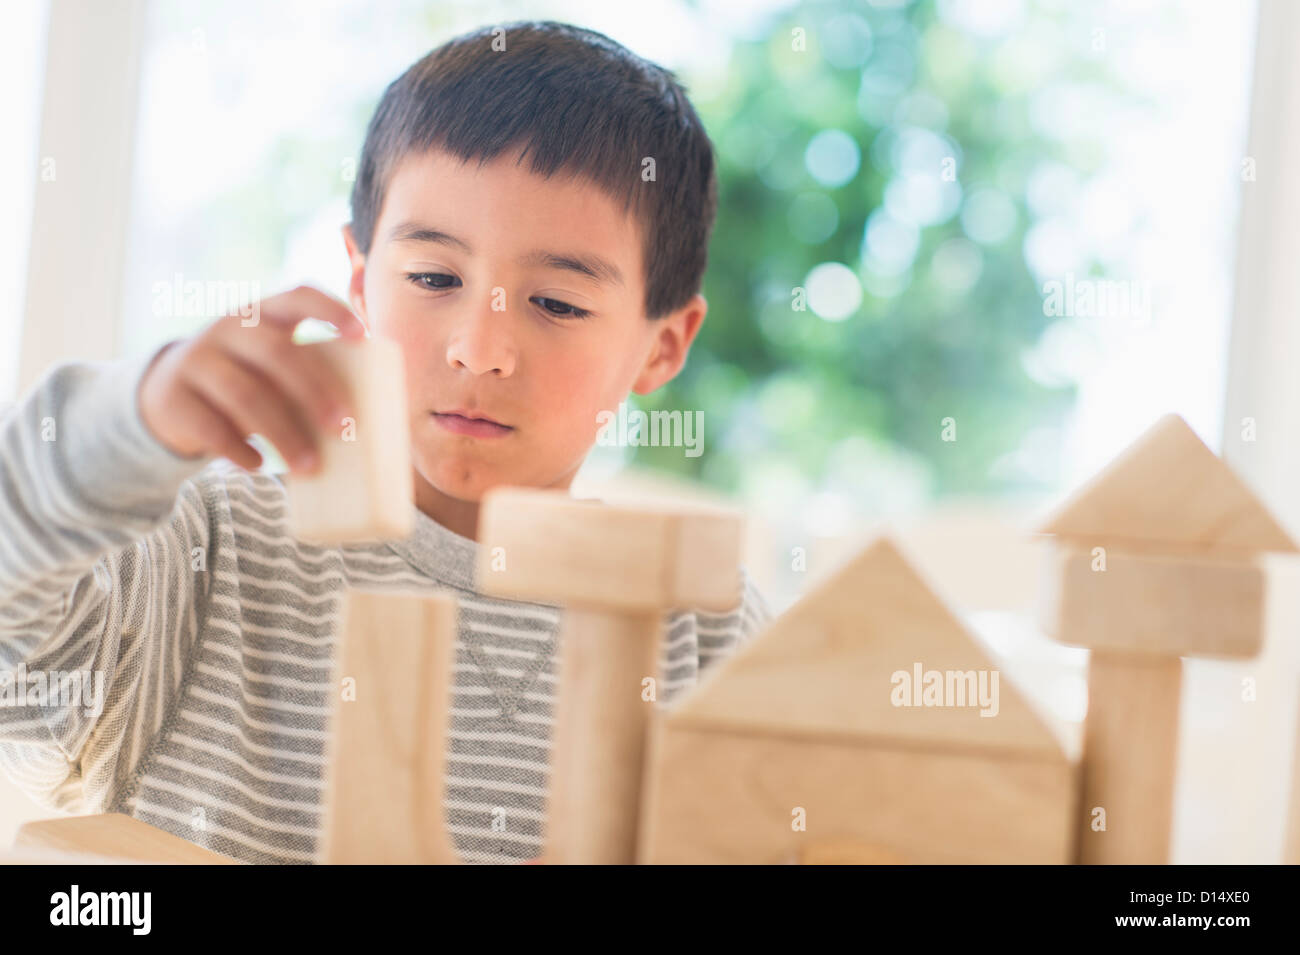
433, 281
562, 309
438, 281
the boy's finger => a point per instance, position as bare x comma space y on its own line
287, 309
254, 405
301, 373
214, 431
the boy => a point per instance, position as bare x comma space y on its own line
505, 233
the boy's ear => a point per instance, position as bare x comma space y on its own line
357, 283
673, 335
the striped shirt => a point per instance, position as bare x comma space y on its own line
211, 631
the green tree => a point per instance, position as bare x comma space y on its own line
930, 219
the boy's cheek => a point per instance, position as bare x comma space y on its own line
579, 385
577, 411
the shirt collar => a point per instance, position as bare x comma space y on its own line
441, 553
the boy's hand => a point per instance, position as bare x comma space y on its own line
205, 395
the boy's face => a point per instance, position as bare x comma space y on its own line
481, 274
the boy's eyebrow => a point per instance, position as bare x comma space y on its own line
592, 266
414, 232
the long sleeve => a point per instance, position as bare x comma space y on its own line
97, 546
721, 634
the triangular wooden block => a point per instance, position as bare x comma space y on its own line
1167, 487
827, 668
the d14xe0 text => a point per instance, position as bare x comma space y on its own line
1160, 898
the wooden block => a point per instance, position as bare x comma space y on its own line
365, 487
704, 559
722, 797
848, 852
601, 719
1129, 758
827, 668
1210, 606
1168, 487
545, 546
59, 857
112, 835
618, 569
1291, 852
386, 753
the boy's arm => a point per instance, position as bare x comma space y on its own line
722, 634
95, 579
756, 614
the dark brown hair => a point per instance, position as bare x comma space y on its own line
575, 101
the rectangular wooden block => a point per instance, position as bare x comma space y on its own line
365, 487
1154, 603
545, 546
719, 797
601, 723
385, 756
1130, 759
701, 537
60, 857
113, 835
1291, 852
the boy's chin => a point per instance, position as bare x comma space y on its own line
462, 479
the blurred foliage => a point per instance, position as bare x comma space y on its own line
854, 407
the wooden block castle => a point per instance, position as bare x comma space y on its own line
864, 725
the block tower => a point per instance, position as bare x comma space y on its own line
1156, 558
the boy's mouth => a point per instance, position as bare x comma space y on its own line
471, 424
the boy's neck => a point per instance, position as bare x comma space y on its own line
460, 517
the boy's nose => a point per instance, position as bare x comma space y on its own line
480, 344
